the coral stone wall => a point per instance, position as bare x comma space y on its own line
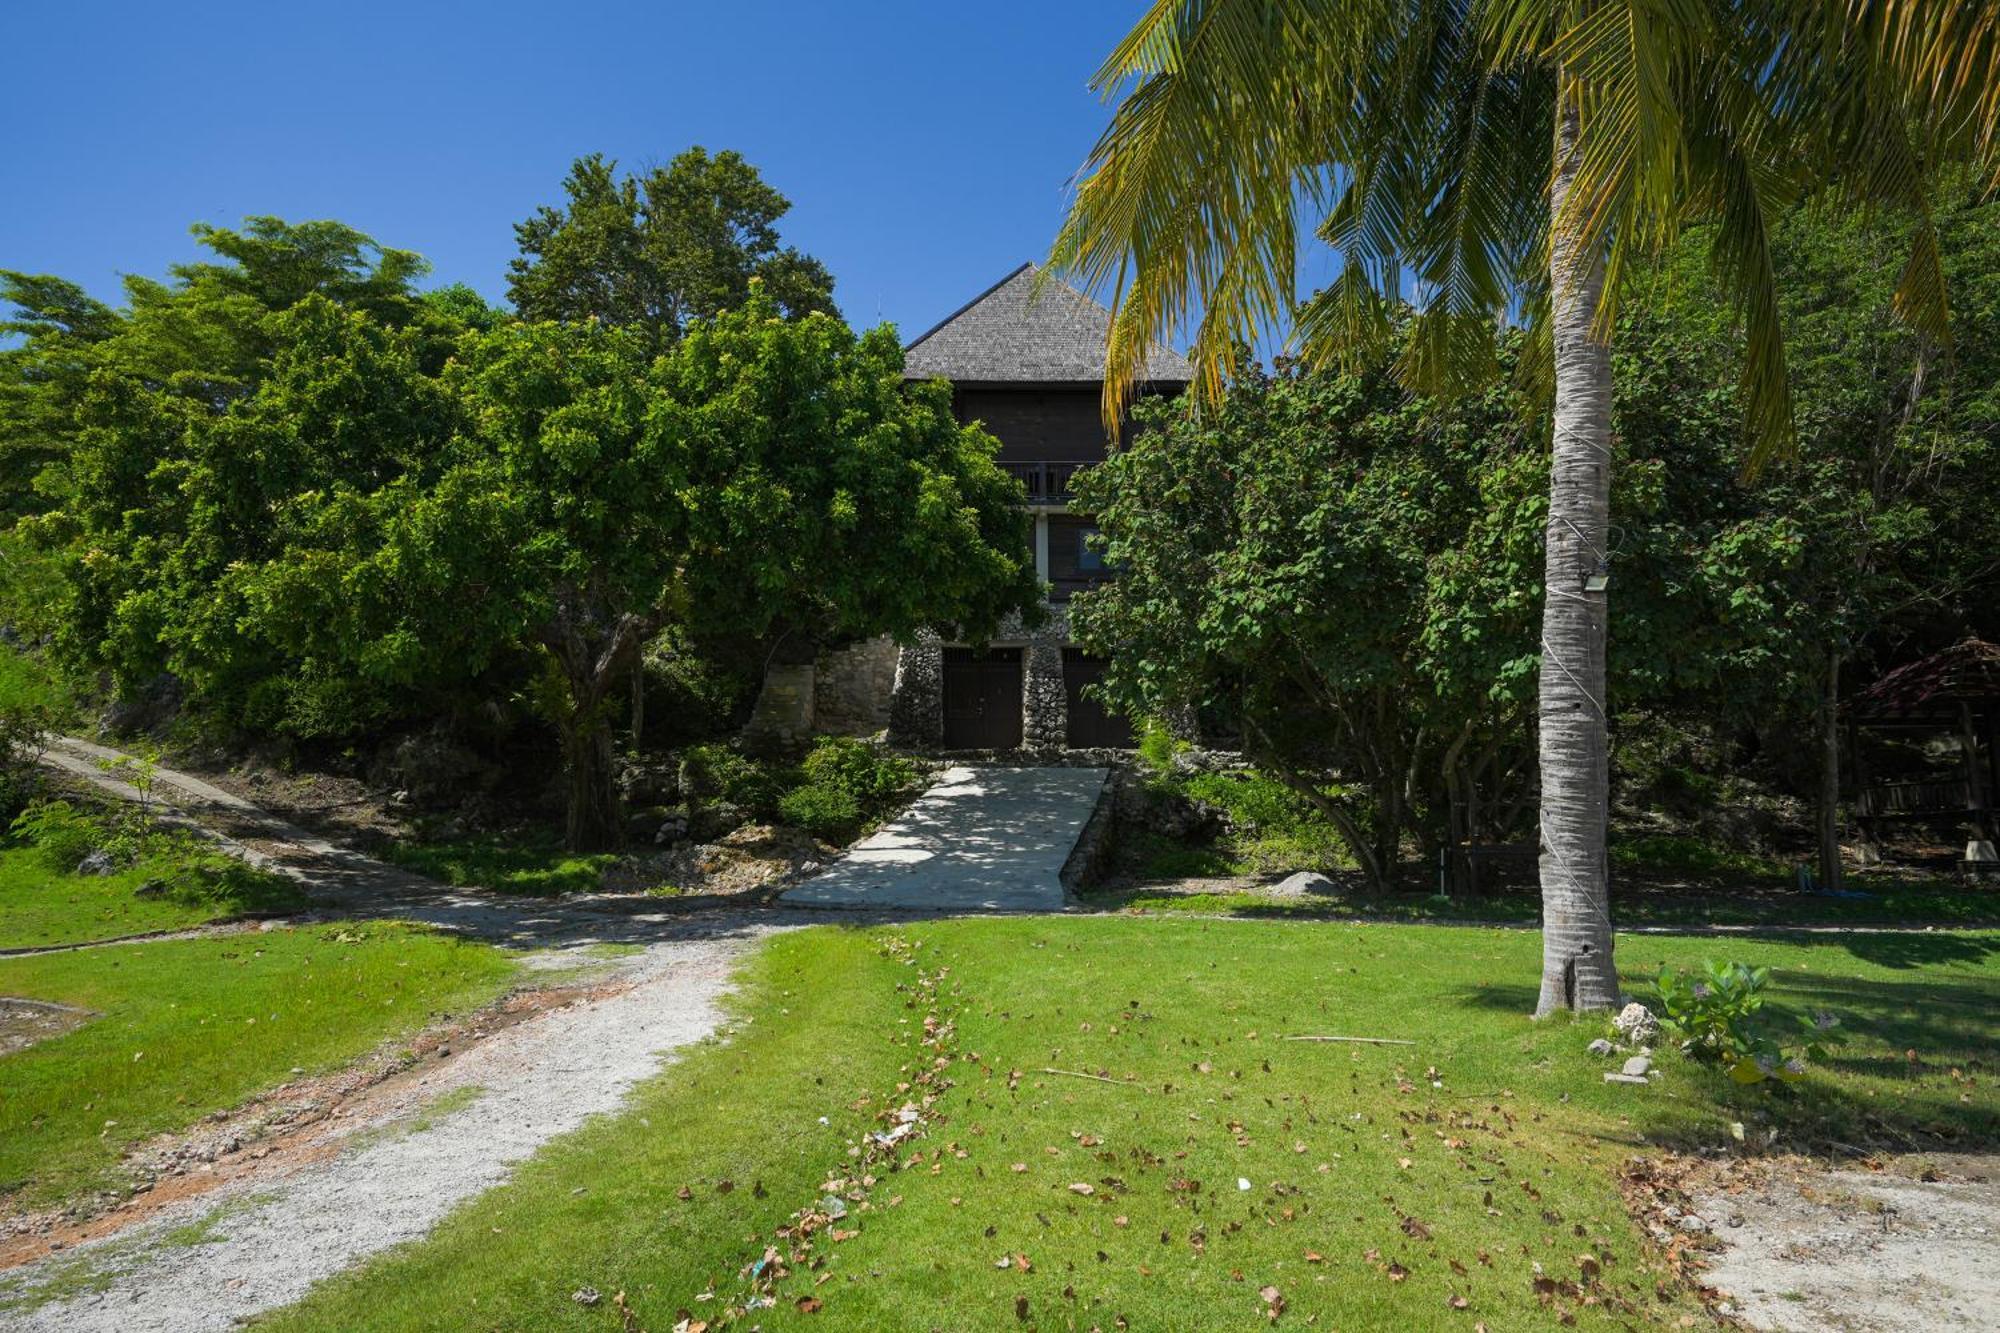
854, 687
917, 710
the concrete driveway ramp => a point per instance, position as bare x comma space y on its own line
981, 839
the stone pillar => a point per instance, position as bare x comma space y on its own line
916, 712
1044, 702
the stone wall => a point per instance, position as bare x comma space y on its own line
853, 688
784, 712
916, 710
916, 715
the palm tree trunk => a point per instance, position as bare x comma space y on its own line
1577, 969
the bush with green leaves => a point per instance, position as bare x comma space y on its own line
32, 708
825, 812
61, 834
1717, 1014
189, 869
718, 772
868, 773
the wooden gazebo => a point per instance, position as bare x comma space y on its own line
1953, 696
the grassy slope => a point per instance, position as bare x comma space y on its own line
39, 907
1160, 999
826, 1033
192, 1026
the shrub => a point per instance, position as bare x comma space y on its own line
1158, 746
62, 834
31, 707
717, 772
825, 812
1716, 1013
1251, 800
865, 772
1673, 854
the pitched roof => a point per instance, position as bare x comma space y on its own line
1010, 333
1966, 672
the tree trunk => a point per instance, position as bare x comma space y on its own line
1577, 969
593, 823
1829, 776
638, 698
589, 661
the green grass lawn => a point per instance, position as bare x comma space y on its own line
186, 1027
1384, 1182
40, 907
531, 862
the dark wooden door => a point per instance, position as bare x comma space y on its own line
982, 699
1091, 725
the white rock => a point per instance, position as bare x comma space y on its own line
1635, 1022
1304, 884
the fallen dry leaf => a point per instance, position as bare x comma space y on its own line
1082, 1188
808, 1304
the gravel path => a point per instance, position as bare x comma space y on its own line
357, 1185
271, 1239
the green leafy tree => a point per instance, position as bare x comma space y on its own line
58, 325
1346, 574
179, 432
593, 495
182, 348
1504, 157
1881, 531
1330, 570
656, 251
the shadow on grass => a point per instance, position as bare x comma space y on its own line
1925, 950
532, 863
1909, 1067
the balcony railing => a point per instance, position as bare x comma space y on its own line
1916, 798
1046, 483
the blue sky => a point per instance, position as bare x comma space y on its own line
926, 147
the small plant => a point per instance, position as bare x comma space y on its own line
1157, 747
824, 812
62, 834
1716, 1015
717, 772
867, 773
140, 772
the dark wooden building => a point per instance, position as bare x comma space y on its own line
1026, 362
1941, 716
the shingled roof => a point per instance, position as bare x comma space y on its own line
1012, 334
1966, 672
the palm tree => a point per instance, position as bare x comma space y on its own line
1489, 160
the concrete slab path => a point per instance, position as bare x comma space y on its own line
981, 839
